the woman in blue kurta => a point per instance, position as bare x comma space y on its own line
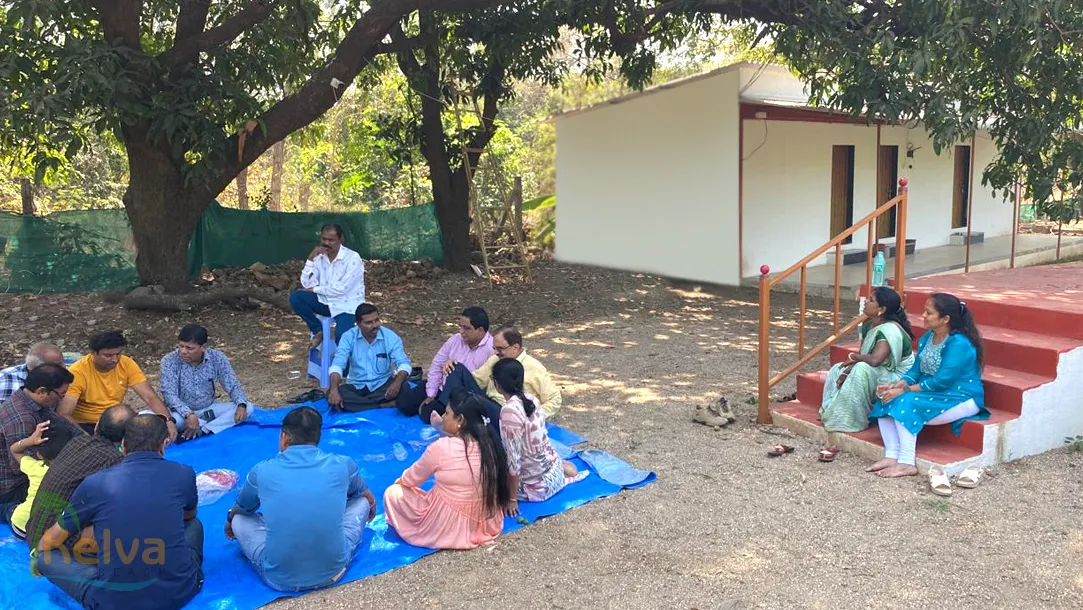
943, 387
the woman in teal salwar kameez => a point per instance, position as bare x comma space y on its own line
886, 353
943, 387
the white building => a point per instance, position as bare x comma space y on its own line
710, 177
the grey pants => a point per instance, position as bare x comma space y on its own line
251, 534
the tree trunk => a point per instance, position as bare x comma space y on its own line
450, 190
303, 195
242, 189
278, 160
26, 188
163, 213
451, 200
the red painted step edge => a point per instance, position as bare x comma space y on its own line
1003, 387
992, 312
1017, 349
932, 447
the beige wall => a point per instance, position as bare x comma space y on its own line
787, 175
650, 184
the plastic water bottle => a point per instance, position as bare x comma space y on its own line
399, 451
878, 266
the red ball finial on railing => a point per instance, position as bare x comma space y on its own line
903, 182
764, 270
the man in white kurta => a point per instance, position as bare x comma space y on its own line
333, 283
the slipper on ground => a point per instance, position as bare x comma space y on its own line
939, 483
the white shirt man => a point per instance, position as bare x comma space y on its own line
334, 285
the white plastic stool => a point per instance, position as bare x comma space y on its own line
321, 357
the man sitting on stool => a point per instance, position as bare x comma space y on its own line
377, 364
334, 285
188, 376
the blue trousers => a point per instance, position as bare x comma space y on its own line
76, 578
307, 305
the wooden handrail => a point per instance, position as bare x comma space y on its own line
766, 382
838, 239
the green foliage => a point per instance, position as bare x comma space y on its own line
1015, 68
938, 505
1074, 443
61, 79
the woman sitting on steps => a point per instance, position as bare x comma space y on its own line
943, 387
886, 353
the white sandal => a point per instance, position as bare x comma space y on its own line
969, 478
939, 483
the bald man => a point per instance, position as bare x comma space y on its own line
13, 378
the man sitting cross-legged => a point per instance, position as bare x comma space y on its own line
471, 347
312, 510
140, 521
102, 378
81, 457
12, 378
377, 364
189, 374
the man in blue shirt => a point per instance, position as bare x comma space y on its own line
146, 549
188, 377
377, 364
312, 510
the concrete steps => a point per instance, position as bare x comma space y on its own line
1032, 346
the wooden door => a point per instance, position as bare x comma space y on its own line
842, 189
887, 188
960, 198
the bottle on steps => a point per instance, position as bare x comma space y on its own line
878, 265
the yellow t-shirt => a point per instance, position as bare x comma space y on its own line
34, 470
97, 391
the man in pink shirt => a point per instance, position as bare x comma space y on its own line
470, 347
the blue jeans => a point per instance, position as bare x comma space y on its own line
251, 533
307, 305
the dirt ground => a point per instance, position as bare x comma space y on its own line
724, 526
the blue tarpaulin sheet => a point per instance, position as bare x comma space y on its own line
372, 438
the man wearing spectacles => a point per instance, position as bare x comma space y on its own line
20, 414
508, 343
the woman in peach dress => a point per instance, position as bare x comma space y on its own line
465, 508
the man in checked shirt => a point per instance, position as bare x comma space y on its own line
12, 378
188, 376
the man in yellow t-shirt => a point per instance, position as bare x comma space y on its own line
508, 343
102, 378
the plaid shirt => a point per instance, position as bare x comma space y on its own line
19, 415
11, 380
81, 457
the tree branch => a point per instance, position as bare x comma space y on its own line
120, 20
317, 96
191, 19
187, 50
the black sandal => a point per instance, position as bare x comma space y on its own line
309, 396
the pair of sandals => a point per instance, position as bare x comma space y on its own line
827, 454
940, 484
